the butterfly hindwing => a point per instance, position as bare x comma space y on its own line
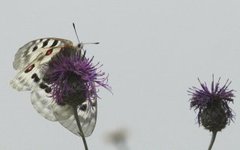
87, 114
42, 102
49, 109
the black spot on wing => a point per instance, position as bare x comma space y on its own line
35, 77
54, 43
83, 107
45, 43
35, 48
43, 86
48, 90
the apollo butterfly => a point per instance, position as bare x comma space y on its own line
30, 62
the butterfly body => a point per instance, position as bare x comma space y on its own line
31, 62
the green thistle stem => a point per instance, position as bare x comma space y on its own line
214, 134
80, 127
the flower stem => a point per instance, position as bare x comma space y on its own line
214, 134
80, 127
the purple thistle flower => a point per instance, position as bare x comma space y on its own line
212, 105
215, 99
74, 78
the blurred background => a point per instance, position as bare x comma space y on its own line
153, 51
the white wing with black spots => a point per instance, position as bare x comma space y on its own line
49, 109
87, 114
27, 53
43, 102
25, 79
32, 74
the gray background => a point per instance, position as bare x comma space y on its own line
153, 50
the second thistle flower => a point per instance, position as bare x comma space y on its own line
212, 104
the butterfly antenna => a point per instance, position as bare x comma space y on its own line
76, 32
91, 43
86, 43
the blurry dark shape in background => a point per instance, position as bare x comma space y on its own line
118, 138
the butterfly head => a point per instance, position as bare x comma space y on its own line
79, 46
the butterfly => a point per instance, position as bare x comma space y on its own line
29, 62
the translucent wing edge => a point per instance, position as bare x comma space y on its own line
87, 119
43, 102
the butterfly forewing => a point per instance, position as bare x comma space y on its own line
30, 59
29, 76
27, 53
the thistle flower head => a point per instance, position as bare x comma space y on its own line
212, 104
73, 77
